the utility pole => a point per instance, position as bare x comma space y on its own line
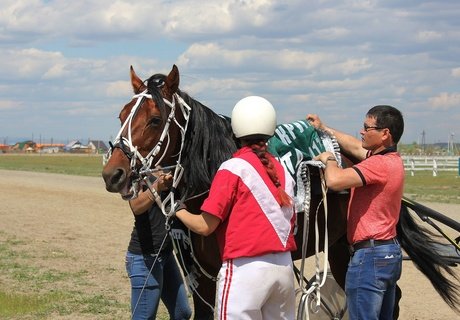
423, 141
451, 145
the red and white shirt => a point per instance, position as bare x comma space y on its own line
243, 197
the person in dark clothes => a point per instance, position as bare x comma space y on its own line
150, 262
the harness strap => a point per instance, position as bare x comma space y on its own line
310, 294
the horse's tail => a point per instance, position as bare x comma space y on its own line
423, 250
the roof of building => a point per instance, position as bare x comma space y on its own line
99, 144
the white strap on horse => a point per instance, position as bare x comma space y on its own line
147, 162
310, 298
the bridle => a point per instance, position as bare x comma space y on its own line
141, 173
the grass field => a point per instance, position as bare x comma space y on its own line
81, 165
444, 188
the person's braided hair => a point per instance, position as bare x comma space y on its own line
259, 147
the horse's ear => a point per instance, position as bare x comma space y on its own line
138, 85
172, 80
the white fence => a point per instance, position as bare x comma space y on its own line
431, 163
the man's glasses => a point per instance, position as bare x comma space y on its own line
369, 128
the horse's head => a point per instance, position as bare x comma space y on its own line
153, 124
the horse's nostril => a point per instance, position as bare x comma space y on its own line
114, 180
117, 176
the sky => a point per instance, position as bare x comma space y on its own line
64, 65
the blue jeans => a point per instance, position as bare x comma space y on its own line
371, 282
164, 281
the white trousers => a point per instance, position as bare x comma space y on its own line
257, 288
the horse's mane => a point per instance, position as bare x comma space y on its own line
208, 140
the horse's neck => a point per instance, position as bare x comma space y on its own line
202, 158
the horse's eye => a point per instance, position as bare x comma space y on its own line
155, 121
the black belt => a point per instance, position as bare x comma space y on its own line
370, 243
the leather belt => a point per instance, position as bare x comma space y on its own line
370, 243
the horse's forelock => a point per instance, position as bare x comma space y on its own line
154, 85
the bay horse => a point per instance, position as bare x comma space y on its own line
163, 127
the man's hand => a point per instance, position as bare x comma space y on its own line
325, 156
315, 121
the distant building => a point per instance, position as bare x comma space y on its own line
25, 146
50, 147
98, 146
72, 146
4, 148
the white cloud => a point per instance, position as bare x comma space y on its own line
8, 104
119, 89
445, 101
331, 33
351, 66
214, 55
428, 36
28, 62
363, 4
210, 17
399, 91
57, 70
31, 18
456, 72
423, 90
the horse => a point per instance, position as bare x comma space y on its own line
164, 127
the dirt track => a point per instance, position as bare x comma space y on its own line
80, 226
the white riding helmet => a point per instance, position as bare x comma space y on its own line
253, 117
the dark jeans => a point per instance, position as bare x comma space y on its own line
164, 281
371, 282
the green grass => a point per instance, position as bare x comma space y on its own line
12, 304
80, 165
423, 186
32, 292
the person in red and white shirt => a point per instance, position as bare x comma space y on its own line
251, 210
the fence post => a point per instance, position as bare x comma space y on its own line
435, 168
412, 167
459, 167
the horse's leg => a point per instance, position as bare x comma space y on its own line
207, 254
204, 293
